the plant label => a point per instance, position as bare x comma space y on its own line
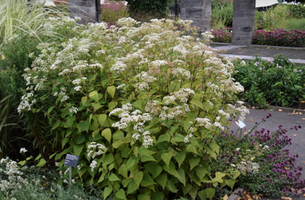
71, 160
240, 124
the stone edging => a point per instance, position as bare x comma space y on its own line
260, 46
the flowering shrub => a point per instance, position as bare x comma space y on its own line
112, 11
275, 37
278, 82
266, 168
280, 37
222, 35
139, 104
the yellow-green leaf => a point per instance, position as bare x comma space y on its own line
162, 179
106, 133
113, 177
94, 95
194, 162
107, 192
41, 163
123, 170
111, 90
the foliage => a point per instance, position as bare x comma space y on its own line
139, 104
266, 168
112, 11
222, 35
36, 184
222, 17
297, 10
278, 82
295, 24
22, 16
143, 6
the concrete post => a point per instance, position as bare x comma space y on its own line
243, 22
85, 9
199, 11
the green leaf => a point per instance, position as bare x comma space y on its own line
96, 106
210, 192
194, 162
147, 180
117, 144
143, 197
162, 179
163, 138
235, 174
102, 178
64, 142
166, 157
78, 149
107, 192
94, 133
113, 177
201, 171
214, 146
145, 154
123, 170
180, 156
120, 194
191, 148
111, 90
138, 104
50, 109
138, 178
132, 186
171, 186
106, 133
84, 100
181, 177
202, 195
153, 169
157, 195
230, 183
84, 125
39, 156
22, 162
197, 103
70, 120
218, 177
108, 159
131, 162
94, 95
102, 118
80, 139
41, 163
57, 123
211, 152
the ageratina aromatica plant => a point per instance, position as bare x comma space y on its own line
139, 104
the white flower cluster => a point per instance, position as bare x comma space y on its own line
126, 117
95, 149
187, 138
180, 95
136, 119
93, 165
26, 102
14, 178
248, 167
204, 122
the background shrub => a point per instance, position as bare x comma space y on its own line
278, 82
112, 11
157, 8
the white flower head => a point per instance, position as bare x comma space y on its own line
23, 150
